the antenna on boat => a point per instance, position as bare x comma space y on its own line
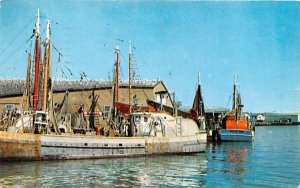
129, 77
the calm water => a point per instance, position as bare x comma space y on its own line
273, 160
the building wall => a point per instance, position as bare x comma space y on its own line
82, 97
166, 100
298, 117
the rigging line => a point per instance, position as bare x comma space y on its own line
121, 67
11, 55
145, 62
145, 94
122, 74
228, 101
14, 52
59, 53
69, 70
135, 72
18, 34
73, 70
134, 67
111, 73
83, 75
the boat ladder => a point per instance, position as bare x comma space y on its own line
178, 126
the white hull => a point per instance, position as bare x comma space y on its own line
20, 146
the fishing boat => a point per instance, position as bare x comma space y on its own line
198, 114
198, 110
235, 126
44, 131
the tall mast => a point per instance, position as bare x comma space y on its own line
234, 94
198, 105
115, 86
37, 58
199, 94
26, 93
239, 104
129, 77
46, 78
117, 67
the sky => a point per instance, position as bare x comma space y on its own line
172, 41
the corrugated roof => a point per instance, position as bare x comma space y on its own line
16, 87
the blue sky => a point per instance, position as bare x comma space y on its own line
257, 41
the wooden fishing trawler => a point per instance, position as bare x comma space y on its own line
235, 126
198, 110
198, 113
45, 131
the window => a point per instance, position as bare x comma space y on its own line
106, 111
163, 100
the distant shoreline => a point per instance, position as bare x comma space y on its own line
277, 124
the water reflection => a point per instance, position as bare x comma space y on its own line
273, 161
187, 170
229, 159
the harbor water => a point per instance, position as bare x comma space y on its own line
272, 160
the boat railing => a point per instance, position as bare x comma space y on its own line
178, 126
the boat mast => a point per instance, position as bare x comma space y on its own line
48, 102
46, 68
200, 113
129, 77
234, 105
26, 94
37, 61
239, 105
198, 104
117, 72
234, 95
115, 82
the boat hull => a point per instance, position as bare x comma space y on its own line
20, 146
237, 135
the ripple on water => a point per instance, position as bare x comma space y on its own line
273, 160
